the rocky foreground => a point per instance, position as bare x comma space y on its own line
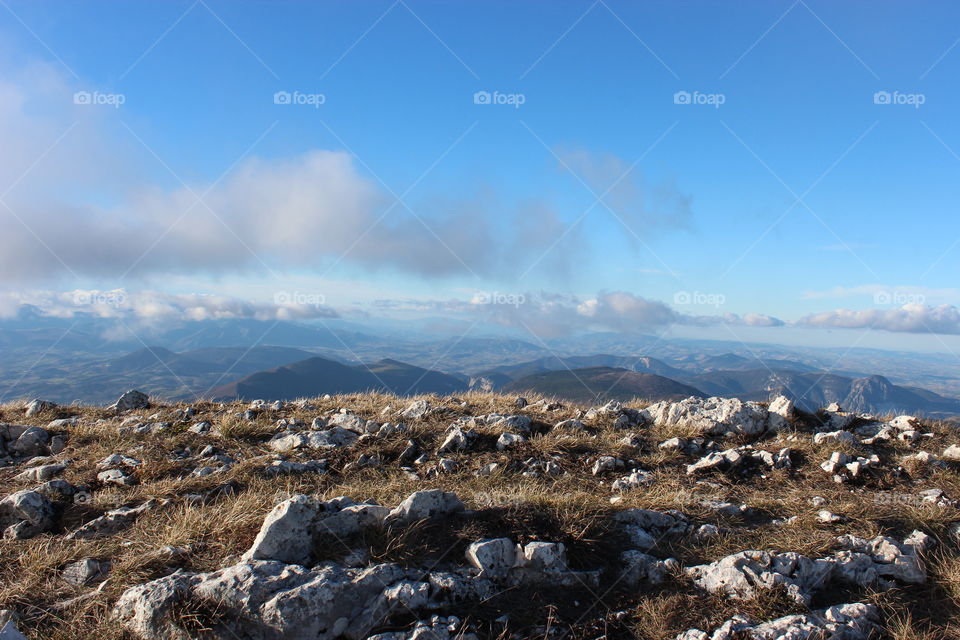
477, 516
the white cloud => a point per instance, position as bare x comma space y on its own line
553, 314
150, 307
910, 318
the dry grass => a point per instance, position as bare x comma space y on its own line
207, 528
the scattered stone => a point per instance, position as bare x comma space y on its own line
58, 443
201, 428
855, 621
117, 460
287, 467
488, 469
262, 599
740, 459
42, 473
509, 441
86, 571
417, 410
828, 517
457, 440
952, 453
635, 480
781, 411
845, 468
447, 465
640, 567
570, 425
115, 476
513, 423
606, 463
329, 439
833, 437
29, 441
111, 522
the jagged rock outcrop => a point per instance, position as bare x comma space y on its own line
879, 562
714, 416
853, 621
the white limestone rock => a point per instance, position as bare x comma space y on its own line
25, 514
426, 504
131, 400
712, 416
494, 558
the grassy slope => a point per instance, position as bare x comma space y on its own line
574, 509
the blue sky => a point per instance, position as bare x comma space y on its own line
797, 197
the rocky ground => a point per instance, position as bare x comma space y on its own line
477, 516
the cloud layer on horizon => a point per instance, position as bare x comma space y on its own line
910, 318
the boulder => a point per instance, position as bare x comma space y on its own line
286, 534
25, 514
32, 441
289, 531
494, 558
130, 401
37, 406
425, 504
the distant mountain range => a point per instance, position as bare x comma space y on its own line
599, 384
317, 376
90, 359
554, 363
